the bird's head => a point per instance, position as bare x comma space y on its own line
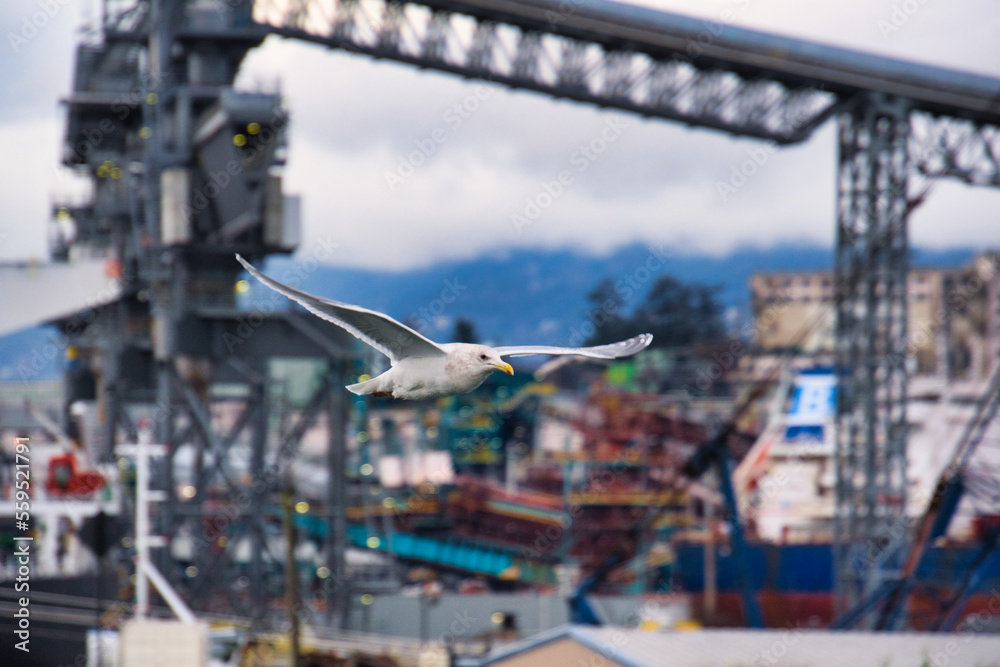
487, 358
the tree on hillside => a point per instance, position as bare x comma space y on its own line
676, 313
680, 314
607, 314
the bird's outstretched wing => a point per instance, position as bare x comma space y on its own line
394, 340
624, 348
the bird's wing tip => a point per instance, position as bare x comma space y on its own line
246, 265
639, 343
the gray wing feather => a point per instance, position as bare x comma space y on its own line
624, 348
394, 340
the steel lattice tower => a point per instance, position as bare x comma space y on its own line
871, 270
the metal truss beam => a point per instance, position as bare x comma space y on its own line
941, 146
871, 269
670, 85
706, 73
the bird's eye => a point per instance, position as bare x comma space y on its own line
483, 357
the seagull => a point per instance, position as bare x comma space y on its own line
421, 368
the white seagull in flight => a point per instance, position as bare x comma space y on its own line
421, 368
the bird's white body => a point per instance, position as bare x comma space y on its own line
414, 378
422, 368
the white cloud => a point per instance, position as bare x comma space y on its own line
30, 177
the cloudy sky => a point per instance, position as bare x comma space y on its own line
354, 119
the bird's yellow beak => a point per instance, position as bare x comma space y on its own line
506, 368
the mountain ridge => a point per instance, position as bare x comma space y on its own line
539, 296
517, 296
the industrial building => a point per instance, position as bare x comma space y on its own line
952, 319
